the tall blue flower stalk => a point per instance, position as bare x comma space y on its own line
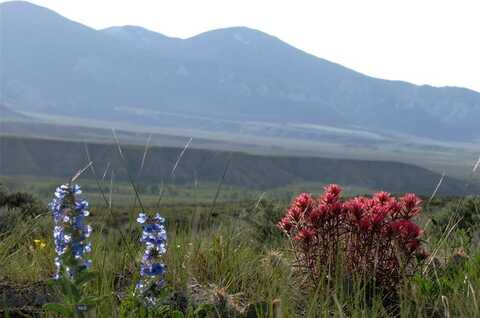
70, 232
152, 269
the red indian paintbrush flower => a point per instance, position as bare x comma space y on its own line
382, 197
411, 205
360, 227
306, 235
285, 224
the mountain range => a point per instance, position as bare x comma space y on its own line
221, 80
6, 113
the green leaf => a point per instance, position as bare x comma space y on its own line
59, 309
52, 283
177, 314
91, 300
76, 293
85, 277
66, 288
204, 309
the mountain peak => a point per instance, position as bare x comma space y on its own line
23, 7
239, 34
231, 43
18, 3
133, 31
23, 14
141, 38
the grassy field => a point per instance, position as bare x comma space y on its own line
120, 193
230, 256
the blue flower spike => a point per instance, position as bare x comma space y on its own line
70, 231
152, 270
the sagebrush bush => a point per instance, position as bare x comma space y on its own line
374, 238
22, 201
466, 215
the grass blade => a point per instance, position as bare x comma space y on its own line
130, 179
180, 157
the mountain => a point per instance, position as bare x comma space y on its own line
222, 80
8, 114
62, 159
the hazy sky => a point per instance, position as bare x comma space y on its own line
433, 42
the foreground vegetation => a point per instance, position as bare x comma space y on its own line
230, 260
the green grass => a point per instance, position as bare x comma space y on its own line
122, 195
231, 256
121, 192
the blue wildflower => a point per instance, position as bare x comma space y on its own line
142, 218
152, 270
70, 231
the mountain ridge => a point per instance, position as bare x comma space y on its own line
7, 113
233, 73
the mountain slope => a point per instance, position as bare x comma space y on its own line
8, 114
54, 65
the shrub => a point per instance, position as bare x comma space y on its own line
374, 237
25, 202
466, 213
262, 218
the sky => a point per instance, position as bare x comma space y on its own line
435, 42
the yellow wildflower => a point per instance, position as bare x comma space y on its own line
40, 243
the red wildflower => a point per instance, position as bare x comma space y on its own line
406, 230
379, 218
331, 194
368, 203
355, 207
366, 224
333, 189
306, 235
295, 213
302, 205
317, 214
411, 204
285, 224
411, 200
367, 230
382, 197
304, 200
394, 207
374, 219
337, 208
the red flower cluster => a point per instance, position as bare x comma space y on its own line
375, 235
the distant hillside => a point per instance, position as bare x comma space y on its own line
222, 80
49, 158
6, 113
